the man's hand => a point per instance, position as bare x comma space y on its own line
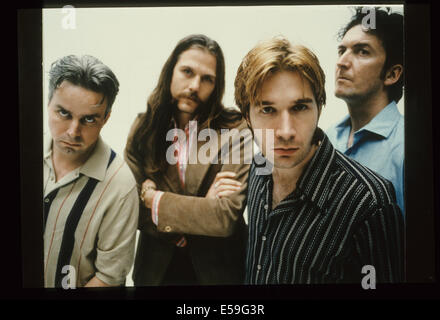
147, 192
223, 185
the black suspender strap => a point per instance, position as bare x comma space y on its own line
72, 221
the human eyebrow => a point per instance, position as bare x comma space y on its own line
93, 115
185, 66
266, 103
60, 107
341, 48
303, 100
359, 46
209, 77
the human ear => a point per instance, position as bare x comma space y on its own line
393, 74
106, 117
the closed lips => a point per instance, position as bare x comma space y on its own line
285, 150
343, 78
71, 144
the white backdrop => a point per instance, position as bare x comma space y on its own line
135, 43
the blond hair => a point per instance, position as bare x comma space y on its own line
268, 57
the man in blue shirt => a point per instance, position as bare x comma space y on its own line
369, 78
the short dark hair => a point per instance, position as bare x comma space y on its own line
85, 71
389, 30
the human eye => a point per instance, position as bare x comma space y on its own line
63, 113
187, 71
363, 52
209, 79
267, 110
89, 120
341, 51
300, 107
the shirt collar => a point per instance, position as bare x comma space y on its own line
95, 166
385, 121
313, 181
345, 122
382, 124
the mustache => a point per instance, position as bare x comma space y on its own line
190, 95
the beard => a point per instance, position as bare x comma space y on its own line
352, 96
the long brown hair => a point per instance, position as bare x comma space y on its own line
149, 145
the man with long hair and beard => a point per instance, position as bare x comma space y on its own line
192, 230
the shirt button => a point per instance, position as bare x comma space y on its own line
167, 229
259, 267
46, 200
263, 238
266, 207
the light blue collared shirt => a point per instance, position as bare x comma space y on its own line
379, 146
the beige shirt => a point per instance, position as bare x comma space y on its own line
93, 235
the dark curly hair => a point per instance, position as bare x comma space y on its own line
389, 30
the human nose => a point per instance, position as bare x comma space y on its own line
74, 129
195, 84
344, 60
285, 130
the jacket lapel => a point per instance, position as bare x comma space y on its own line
196, 172
170, 181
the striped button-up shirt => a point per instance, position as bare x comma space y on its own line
341, 217
90, 219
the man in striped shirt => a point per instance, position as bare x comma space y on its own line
90, 197
317, 216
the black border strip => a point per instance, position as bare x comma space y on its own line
421, 173
31, 145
